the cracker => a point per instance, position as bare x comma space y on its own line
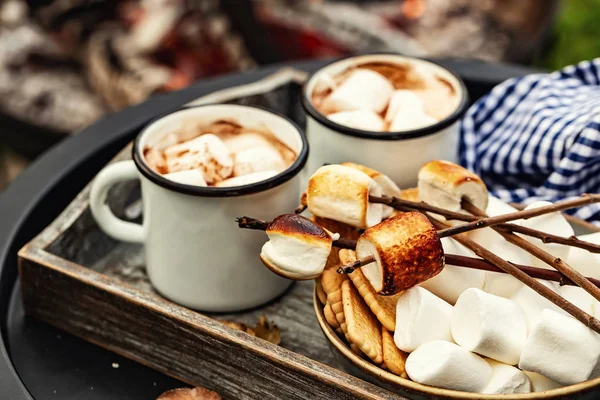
364, 329
384, 307
321, 295
393, 358
330, 316
353, 347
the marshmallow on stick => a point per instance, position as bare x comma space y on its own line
388, 187
554, 223
207, 153
506, 379
445, 184
446, 365
560, 348
342, 193
489, 325
421, 317
297, 248
362, 89
452, 281
407, 251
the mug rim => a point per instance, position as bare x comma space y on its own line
231, 191
386, 136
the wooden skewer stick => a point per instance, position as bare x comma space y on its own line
524, 214
407, 205
543, 255
509, 268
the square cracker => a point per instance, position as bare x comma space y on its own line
363, 328
384, 307
393, 358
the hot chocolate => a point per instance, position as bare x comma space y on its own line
221, 154
380, 97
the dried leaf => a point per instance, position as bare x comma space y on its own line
264, 329
197, 393
268, 331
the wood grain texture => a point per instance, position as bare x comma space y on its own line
76, 278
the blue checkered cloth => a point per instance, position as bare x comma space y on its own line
538, 137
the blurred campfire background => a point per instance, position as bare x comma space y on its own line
66, 63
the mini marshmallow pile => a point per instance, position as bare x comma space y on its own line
367, 100
207, 160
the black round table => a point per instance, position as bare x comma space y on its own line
40, 362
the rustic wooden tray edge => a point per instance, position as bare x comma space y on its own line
292, 373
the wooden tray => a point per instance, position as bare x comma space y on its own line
78, 279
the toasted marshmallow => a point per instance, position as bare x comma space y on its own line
257, 159
366, 120
403, 101
588, 264
539, 383
532, 303
193, 177
247, 179
421, 317
407, 251
445, 365
297, 247
554, 223
406, 121
445, 184
362, 89
560, 348
506, 379
388, 187
489, 325
452, 281
342, 194
206, 152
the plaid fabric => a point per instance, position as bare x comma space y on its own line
538, 137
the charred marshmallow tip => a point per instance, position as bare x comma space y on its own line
297, 247
407, 251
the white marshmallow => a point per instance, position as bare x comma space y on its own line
244, 141
297, 248
506, 379
366, 120
405, 101
489, 325
554, 223
445, 184
497, 207
193, 177
206, 152
362, 89
421, 317
247, 179
407, 120
579, 297
560, 348
588, 264
257, 159
452, 281
342, 193
539, 383
532, 303
445, 365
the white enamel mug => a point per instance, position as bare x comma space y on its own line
195, 253
399, 155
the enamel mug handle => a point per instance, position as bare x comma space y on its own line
108, 222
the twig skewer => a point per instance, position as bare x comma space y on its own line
543, 255
509, 268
